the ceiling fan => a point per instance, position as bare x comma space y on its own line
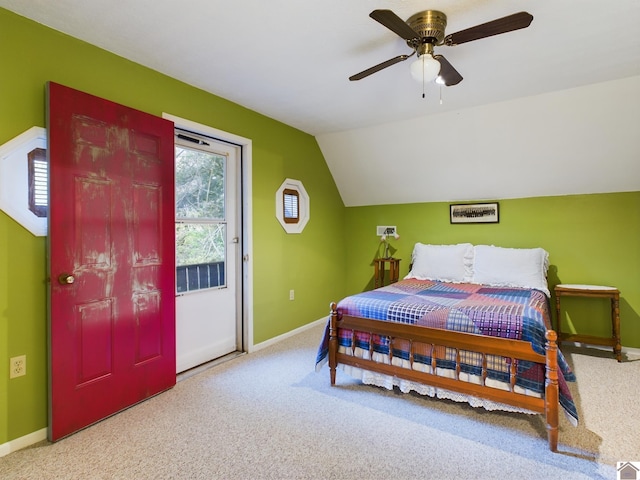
426, 30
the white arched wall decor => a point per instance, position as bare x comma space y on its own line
14, 179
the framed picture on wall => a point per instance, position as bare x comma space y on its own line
474, 213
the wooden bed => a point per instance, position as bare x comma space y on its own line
406, 348
515, 349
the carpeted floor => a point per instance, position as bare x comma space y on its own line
268, 415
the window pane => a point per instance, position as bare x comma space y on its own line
290, 210
199, 184
200, 256
38, 180
290, 206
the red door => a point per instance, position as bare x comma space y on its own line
111, 258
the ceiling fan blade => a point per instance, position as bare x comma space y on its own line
449, 75
394, 23
377, 68
495, 27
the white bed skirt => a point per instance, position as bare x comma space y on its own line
405, 386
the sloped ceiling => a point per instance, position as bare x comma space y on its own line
290, 60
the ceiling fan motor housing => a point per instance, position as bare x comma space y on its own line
430, 25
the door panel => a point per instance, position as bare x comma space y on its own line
208, 316
111, 258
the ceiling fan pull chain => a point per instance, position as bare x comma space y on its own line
440, 94
423, 96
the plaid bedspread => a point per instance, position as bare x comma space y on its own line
506, 312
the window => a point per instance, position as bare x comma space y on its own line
38, 175
23, 180
200, 215
292, 206
290, 199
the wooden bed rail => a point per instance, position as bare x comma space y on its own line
460, 341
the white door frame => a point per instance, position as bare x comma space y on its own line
247, 216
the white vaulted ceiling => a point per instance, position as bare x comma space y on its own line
291, 59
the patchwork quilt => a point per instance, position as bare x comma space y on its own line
506, 312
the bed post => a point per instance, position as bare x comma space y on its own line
551, 389
333, 341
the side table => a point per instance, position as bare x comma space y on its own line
593, 291
379, 270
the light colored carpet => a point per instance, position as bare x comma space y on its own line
268, 415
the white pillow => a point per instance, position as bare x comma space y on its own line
445, 263
511, 267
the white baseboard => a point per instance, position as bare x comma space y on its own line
272, 341
22, 442
631, 351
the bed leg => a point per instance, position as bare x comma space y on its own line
551, 390
333, 341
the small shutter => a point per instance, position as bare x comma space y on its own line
38, 177
291, 210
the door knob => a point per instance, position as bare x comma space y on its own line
66, 278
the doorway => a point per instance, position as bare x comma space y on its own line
213, 240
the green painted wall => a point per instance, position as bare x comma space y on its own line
591, 239
31, 55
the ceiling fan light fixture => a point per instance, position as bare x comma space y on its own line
425, 68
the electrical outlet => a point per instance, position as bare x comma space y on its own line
385, 230
17, 366
292, 294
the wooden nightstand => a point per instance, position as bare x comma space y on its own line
379, 269
593, 291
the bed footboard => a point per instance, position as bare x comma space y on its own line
459, 341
